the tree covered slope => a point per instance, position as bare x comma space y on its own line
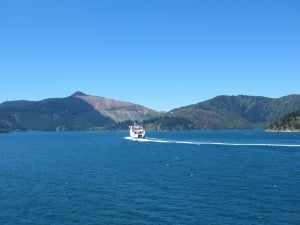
235, 112
290, 122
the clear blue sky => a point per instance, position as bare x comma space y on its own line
161, 54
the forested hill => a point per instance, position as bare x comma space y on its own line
229, 112
288, 123
76, 112
69, 113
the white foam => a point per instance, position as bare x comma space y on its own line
211, 143
137, 139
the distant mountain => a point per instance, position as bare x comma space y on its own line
76, 112
230, 112
85, 112
288, 123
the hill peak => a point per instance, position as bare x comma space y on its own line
78, 93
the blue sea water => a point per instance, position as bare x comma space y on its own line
199, 177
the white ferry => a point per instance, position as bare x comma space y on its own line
137, 131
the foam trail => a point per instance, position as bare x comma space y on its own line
213, 143
137, 139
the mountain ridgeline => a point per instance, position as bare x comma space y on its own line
85, 112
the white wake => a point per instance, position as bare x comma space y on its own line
212, 143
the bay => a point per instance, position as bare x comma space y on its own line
195, 177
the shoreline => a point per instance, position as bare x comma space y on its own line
284, 131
